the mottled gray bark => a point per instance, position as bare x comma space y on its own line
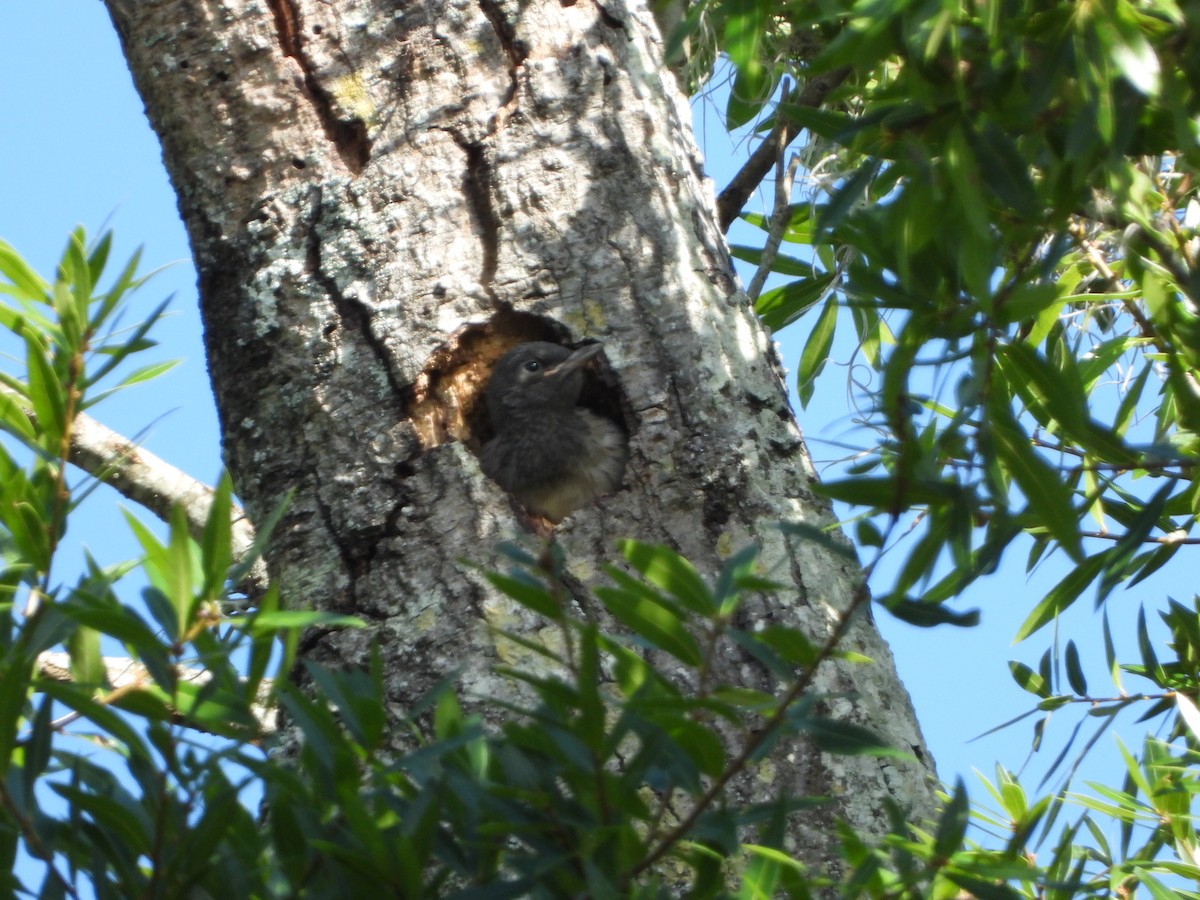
381, 198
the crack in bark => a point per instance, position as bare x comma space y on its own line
607, 16
354, 315
350, 563
354, 318
477, 190
514, 48
348, 136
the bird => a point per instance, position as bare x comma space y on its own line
549, 452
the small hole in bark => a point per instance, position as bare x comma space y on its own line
298, 163
222, 76
317, 29
183, 64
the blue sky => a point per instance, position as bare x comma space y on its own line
76, 149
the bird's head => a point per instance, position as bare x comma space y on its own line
534, 378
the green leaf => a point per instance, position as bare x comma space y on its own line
750, 91
1005, 170
848, 196
13, 267
789, 643
1150, 663
87, 665
886, 493
177, 572
1028, 679
1075, 670
845, 738
529, 592
136, 341
1062, 399
666, 569
928, 615
653, 622
816, 351
781, 306
216, 543
148, 372
262, 535
743, 32
296, 619
1063, 594
14, 418
825, 123
16, 674
781, 262
732, 574
1043, 487
953, 822
798, 230
46, 392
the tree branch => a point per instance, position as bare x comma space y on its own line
733, 198
157, 485
124, 674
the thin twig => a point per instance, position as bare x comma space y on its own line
780, 216
124, 675
756, 739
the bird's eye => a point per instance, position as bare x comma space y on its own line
532, 365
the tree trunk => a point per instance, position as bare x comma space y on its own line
381, 198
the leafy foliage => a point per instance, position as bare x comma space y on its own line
1004, 209
598, 775
604, 777
1006, 215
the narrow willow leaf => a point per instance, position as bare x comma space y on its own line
87, 665
14, 419
953, 822
529, 592
666, 569
781, 306
148, 372
1028, 680
1153, 670
216, 543
781, 263
653, 622
816, 351
1048, 497
135, 342
848, 196
929, 615
46, 392
1075, 670
845, 738
300, 618
13, 267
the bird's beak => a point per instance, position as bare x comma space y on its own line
577, 360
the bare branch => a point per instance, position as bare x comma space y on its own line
123, 675
733, 198
157, 485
